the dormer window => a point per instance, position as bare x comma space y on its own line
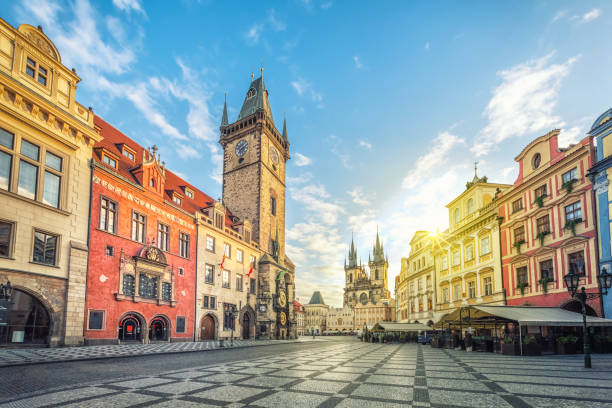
37, 72
127, 153
177, 199
252, 92
189, 193
152, 182
109, 161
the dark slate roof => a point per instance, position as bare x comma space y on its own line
316, 299
256, 102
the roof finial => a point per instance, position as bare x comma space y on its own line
252, 76
475, 169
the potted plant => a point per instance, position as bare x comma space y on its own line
571, 225
544, 284
517, 245
566, 345
510, 347
521, 286
569, 185
541, 235
540, 200
532, 348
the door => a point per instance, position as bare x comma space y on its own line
207, 328
129, 329
158, 330
246, 326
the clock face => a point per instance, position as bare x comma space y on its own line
282, 299
241, 148
283, 318
273, 155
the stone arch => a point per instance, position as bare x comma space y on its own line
142, 335
31, 320
153, 332
54, 314
247, 312
215, 331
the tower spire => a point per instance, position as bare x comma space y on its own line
285, 134
224, 120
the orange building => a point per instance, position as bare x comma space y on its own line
548, 225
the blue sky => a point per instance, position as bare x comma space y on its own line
387, 107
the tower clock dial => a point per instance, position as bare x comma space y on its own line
241, 148
282, 299
273, 155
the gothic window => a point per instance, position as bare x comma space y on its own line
128, 285
147, 287
166, 291
376, 274
350, 278
252, 92
363, 298
228, 317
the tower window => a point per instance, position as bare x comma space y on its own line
273, 205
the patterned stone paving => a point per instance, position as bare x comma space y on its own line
9, 357
353, 374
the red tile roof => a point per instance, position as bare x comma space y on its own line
113, 142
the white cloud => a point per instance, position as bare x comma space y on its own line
437, 155
129, 5
508, 175
427, 45
305, 88
301, 160
559, 15
366, 145
186, 152
300, 179
591, 15
358, 196
339, 152
524, 102
254, 32
275, 23
357, 62
326, 5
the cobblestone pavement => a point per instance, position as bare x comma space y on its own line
10, 357
352, 374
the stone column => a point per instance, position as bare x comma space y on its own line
75, 295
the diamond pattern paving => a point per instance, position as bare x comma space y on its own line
349, 373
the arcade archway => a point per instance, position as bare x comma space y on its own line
131, 326
27, 320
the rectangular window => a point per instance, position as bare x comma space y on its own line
457, 292
53, 161
226, 279
543, 225
96, 320
31, 67
36, 71
573, 212
163, 236
456, 257
28, 179
51, 189
239, 283
147, 286
485, 245
546, 270
189, 193
210, 243
110, 161
521, 276
239, 255
213, 302
519, 234
247, 236
6, 238
540, 191
445, 295
471, 289
138, 227
252, 287
180, 324
166, 291
181, 271
444, 263
517, 205
108, 215
6, 161
128, 154
227, 250
184, 245
205, 302
570, 175
209, 274
110, 251
576, 262
488, 286
469, 252
228, 318
129, 285
45, 248
177, 200
219, 220
273, 205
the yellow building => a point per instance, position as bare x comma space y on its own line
371, 313
340, 319
467, 255
46, 141
316, 315
420, 280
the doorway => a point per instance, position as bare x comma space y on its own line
207, 328
158, 329
130, 328
246, 326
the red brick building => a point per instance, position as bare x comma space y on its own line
142, 270
548, 225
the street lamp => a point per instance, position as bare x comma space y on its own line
6, 291
572, 281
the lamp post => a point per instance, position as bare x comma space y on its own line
572, 281
6, 291
232, 313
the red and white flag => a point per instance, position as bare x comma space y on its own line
250, 270
222, 262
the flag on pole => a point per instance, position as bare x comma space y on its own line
250, 270
221, 264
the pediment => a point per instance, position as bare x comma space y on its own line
40, 40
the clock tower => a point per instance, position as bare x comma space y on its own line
255, 154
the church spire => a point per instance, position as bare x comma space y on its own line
285, 134
379, 253
352, 258
256, 99
224, 120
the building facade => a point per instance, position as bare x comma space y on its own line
254, 165
548, 226
361, 287
300, 317
372, 313
46, 141
340, 319
316, 315
467, 256
142, 242
420, 278
600, 174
